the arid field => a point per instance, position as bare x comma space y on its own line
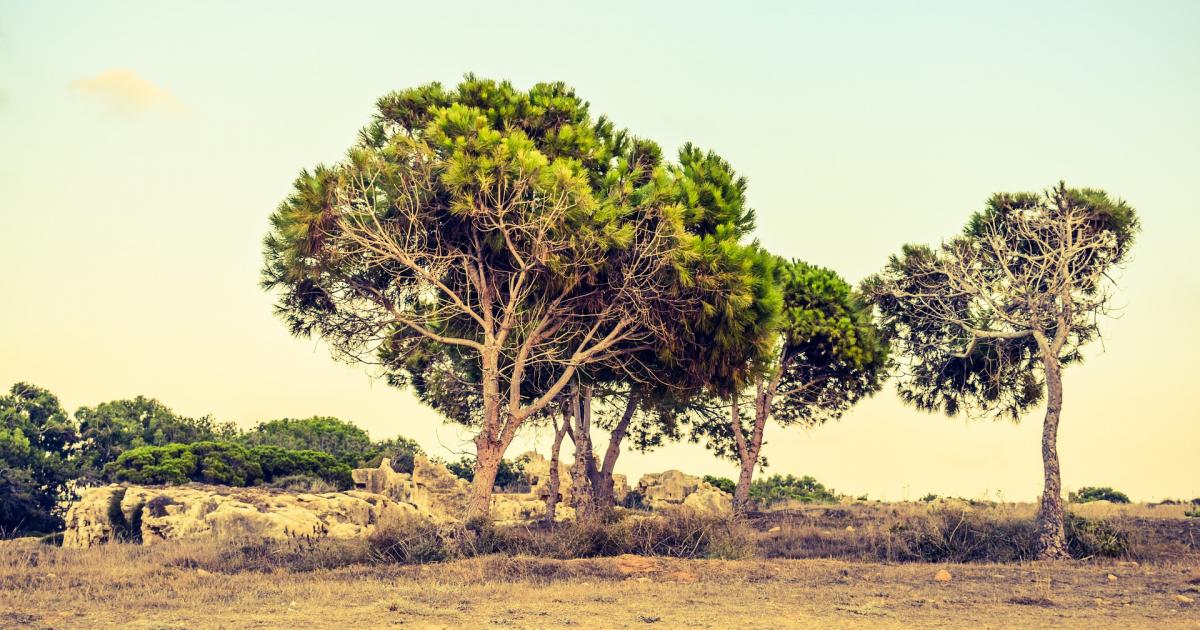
190, 584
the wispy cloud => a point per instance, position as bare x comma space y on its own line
125, 91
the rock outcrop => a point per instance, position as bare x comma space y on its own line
673, 489
537, 473
431, 488
154, 514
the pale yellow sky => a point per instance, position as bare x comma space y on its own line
146, 144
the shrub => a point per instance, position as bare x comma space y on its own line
1089, 493
929, 498
400, 450
723, 484
412, 540
778, 489
223, 463
1088, 538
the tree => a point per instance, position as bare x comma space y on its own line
341, 439
36, 440
224, 463
506, 227
1088, 494
111, 428
729, 306
988, 320
828, 355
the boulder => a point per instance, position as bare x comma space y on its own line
431, 488
152, 515
672, 489
537, 473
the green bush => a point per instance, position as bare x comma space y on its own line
723, 484
778, 489
1089, 493
224, 463
1088, 538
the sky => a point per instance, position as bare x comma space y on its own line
144, 144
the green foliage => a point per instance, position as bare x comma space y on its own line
1089, 538
399, 449
345, 441
224, 463
111, 428
929, 498
36, 437
778, 489
724, 484
1090, 493
974, 350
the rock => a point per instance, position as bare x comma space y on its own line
709, 500
88, 521
152, 515
1112, 578
431, 488
774, 529
849, 528
1184, 599
942, 576
672, 489
537, 474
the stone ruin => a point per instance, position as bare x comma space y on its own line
152, 514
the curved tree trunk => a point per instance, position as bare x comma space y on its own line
554, 483
749, 446
604, 480
1052, 539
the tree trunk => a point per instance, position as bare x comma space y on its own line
583, 471
487, 463
554, 483
489, 445
1052, 539
748, 447
604, 483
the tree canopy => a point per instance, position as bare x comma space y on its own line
503, 229
36, 441
987, 321
111, 428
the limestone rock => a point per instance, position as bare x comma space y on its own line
672, 489
942, 576
431, 488
537, 474
88, 521
153, 515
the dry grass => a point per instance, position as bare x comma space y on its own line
336, 584
154, 587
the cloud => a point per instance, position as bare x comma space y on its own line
126, 92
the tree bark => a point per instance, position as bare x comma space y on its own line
487, 463
748, 447
554, 483
604, 482
583, 471
1052, 539
489, 444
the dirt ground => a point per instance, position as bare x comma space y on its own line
131, 587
